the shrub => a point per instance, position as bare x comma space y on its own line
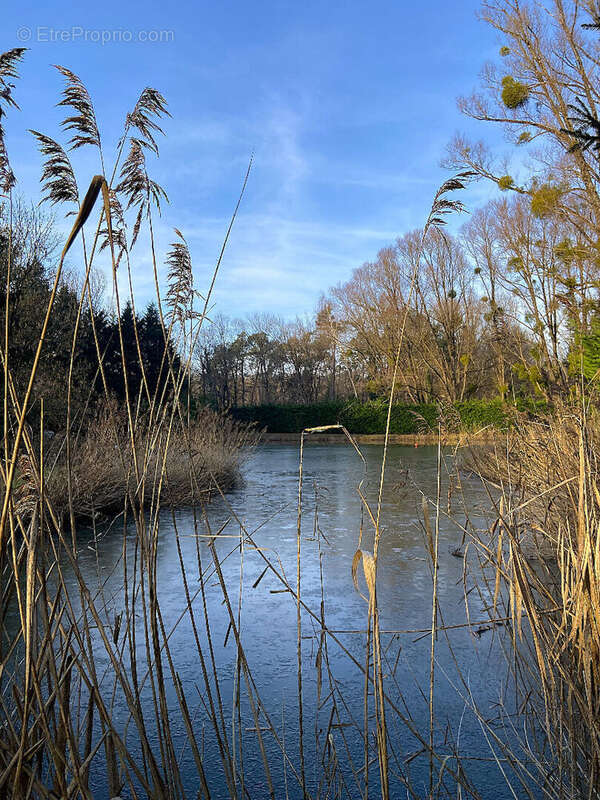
371, 417
475, 414
212, 449
289, 417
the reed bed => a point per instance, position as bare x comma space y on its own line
544, 551
213, 448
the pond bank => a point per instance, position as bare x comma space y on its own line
408, 439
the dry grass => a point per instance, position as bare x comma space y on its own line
207, 454
545, 549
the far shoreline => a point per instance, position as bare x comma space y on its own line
407, 439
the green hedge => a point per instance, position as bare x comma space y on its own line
284, 418
370, 418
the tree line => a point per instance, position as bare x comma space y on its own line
28, 247
508, 307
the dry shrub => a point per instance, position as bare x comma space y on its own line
198, 459
547, 551
97, 468
206, 456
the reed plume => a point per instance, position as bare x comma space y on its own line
443, 206
138, 188
83, 121
8, 71
58, 179
150, 104
117, 236
181, 293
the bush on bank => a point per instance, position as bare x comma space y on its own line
370, 417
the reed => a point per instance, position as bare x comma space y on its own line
544, 550
212, 445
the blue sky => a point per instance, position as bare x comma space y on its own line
347, 106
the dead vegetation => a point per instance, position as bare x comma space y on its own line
544, 549
198, 458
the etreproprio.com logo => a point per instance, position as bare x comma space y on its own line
102, 36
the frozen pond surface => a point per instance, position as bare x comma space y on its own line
267, 506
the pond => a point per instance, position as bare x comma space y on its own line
470, 663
